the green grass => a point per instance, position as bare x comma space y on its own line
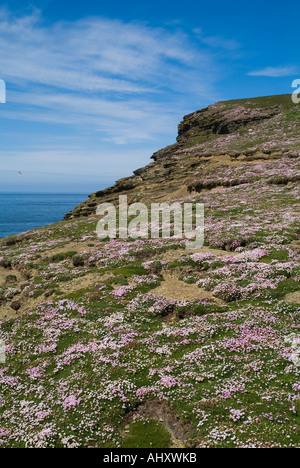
283, 100
280, 255
285, 287
292, 115
147, 434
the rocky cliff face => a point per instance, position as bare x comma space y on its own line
223, 134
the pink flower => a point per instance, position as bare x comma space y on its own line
71, 402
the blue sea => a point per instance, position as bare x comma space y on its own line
20, 213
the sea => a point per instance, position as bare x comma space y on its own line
22, 212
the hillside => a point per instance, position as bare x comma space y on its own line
143, 343
226, 133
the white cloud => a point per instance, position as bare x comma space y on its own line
76, 91
123, 79
274, 72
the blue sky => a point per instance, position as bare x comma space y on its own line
95, 87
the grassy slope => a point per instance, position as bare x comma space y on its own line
95, 344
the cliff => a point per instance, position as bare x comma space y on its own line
221, 134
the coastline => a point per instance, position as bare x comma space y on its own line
23, 212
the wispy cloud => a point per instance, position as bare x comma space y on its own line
90, 100
123, 79
275, 72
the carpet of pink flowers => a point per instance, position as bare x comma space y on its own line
78, 362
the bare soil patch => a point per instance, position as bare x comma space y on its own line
174, 289
84, 282
293, 298
6, 274
26, 304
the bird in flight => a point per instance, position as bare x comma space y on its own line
19, 172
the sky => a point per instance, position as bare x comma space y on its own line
93, 88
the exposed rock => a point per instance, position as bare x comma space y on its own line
214, 120
16, 305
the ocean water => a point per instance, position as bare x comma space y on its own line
20, 213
